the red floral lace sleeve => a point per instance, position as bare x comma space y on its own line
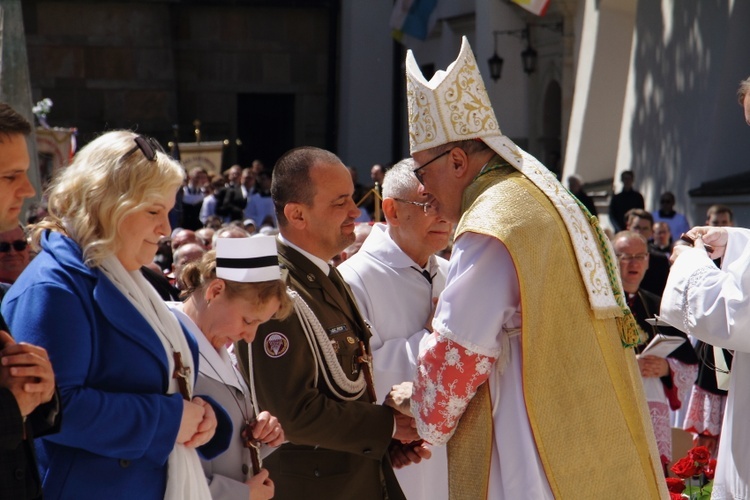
448, 375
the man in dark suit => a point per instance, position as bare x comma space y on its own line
642, 222
230, 202
29, 406
308, 369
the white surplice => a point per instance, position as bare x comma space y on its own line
396, 299
482, 277
713, 305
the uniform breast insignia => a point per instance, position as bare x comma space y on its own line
337, 329
350, 339
276, 345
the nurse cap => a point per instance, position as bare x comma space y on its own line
247, 260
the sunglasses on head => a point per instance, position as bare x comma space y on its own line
18, 246
148, 146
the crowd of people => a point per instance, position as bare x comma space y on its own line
258, 336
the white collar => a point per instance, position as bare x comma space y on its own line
381, 246
218, 365
320, 263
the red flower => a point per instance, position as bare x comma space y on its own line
675, 496
710, 469
685, 467
675, 485
700, 454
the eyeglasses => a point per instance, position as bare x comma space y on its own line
18, 246
148, 146
429, 207
419, 174
627, 257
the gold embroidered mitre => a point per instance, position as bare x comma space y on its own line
454, 106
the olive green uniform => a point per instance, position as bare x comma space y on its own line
337, 448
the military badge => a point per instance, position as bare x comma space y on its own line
276, 345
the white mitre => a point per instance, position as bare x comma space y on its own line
454, 106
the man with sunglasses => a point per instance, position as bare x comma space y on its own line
529, 358
27, 378
14, 254
394, 277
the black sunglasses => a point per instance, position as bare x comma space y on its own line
18, 246
419, 174
148, 146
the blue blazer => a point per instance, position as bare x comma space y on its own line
119, 424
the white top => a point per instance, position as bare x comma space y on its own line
219, 378
713, 305
480, 321
396, 299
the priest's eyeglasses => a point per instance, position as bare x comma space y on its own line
417, 171
627, 257
148, 146
429, 207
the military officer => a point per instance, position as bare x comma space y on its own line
311, 369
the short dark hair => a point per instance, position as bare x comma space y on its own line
12, 123
628, 173
640, 213
719, 209
291, 177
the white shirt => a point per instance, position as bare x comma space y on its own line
713, 305
396, 299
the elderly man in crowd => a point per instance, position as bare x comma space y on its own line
311, 370
29, 406
394, 277
667, 380
528, 360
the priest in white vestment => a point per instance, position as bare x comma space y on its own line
528, 375
713, 305
394, 277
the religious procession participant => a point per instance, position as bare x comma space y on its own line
713, 305
230, 292
394, 277
124, 366
531, 349
311, 370
666, 379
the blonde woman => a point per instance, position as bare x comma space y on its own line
230, 292
124, 366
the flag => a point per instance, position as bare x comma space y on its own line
538, 7
412, 17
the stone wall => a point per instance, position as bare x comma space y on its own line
151, 64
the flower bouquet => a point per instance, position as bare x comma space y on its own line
695, 474
41, 110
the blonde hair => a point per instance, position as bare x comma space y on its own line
197, 275
89, 199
